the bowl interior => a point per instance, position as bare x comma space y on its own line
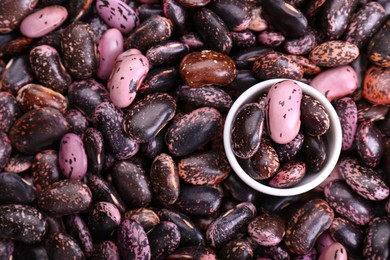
310, 181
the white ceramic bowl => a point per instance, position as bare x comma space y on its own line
310, 181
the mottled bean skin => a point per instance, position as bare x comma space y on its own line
103, 219
147, 218
78, 229
376, 243
314, 150
314, 119
193, 252
13, 12
369, 143
22, 223
63, 246
16, 74
347, 111
94, 148
164, 238
235, 14
237, 249
334, 53
45, 169
348, 234
378, 47
9, 111
267, 229
133, 243
106, 250
5, 149
375, 80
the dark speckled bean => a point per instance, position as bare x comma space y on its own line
209, 167
45, 169
289, 174
37, 129
376, 243
7, 247
22, 223
193, 130
5, 149
371, 112
9, 111
47, 66
347, 203
103, 219
363, 180
212, 29
210, 96
314, 151
78, 123
244, 59
247, 130
65, 197
16, 74
193, 253
378, 47
13, 12
132, 183
79, 51
235, 14
109, 121
160, 79
164, 178
244, 39
94, 148
167, 53
19, 163
347, 111
189, 232
78, 229
314, 119
227, 226
146, 117
267, 229
237, 249
133, 243
198, 200
307, 224
106, 250
301, 45
289, 151
63, 246
369, 143
239, 190
147, 218
15, 190
164, 238
102, 191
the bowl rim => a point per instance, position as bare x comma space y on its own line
252, 93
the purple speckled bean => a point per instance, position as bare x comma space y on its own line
72, 157
164, 238
15, 190
106, 250
323, 241
363, 180
376, 243
369, 143
117, 14
63, 246
350, 235
270, 38
289, 174
133, 243
13, 12
348, 114
9, 111
110, 46
289, 150
78, 123
5, 149
45, 169
267, 229
94, 148
103, 219
78, 229
128, 73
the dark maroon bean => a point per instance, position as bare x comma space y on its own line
193, 130
108, 120
132, 183
159, 79
45, 169
369, 143
314, 151
65, 198
16, 74
37, 129
192, 253
289, 151
178, 14
152, 31
293, 24
336, 16
273, 252
79, 231
302, 45
79, 50
235, 14
146, 117
365, 23
145, 11
314, 118
307, 224
164, 178
277, 65
86, 95
164, 238
347, 203
210, 167
167, 53
237, 249
26, 251
212, 29
210, 96
5, 149
102, 191
103, 219
47, 66
15, 190
19, 163
267, 229
145, 217
225, 227
189, 232
63, 246
154, 147
13, 12
198, 200
376, 242
363, 180
78, 123
132, 241
106, 250
22, 223
348, 234
9, 111
239, 190
370, 112
94, 148
247, 130
244, 59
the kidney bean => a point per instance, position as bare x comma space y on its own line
302, 45
373, 87
78, 123
350, 235
14, 12
164, 238
26, 251
78, 229
235, 14
15, 190
273, 252
106, 250
243, 39
288, 174
347, 111
377, 239
132, 241
154, 147
239, 190
167, 53
324, 241
16, 74
22, 223
378, 50
9, 111
237, 249
5, 149
267, 229
334, 251
63, 246
159, 79
288, 151
369, 143
334, 53
314, 152
19, 163
78, 9
103, 219
370, 112
147, 218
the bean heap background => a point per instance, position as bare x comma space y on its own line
111, 117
